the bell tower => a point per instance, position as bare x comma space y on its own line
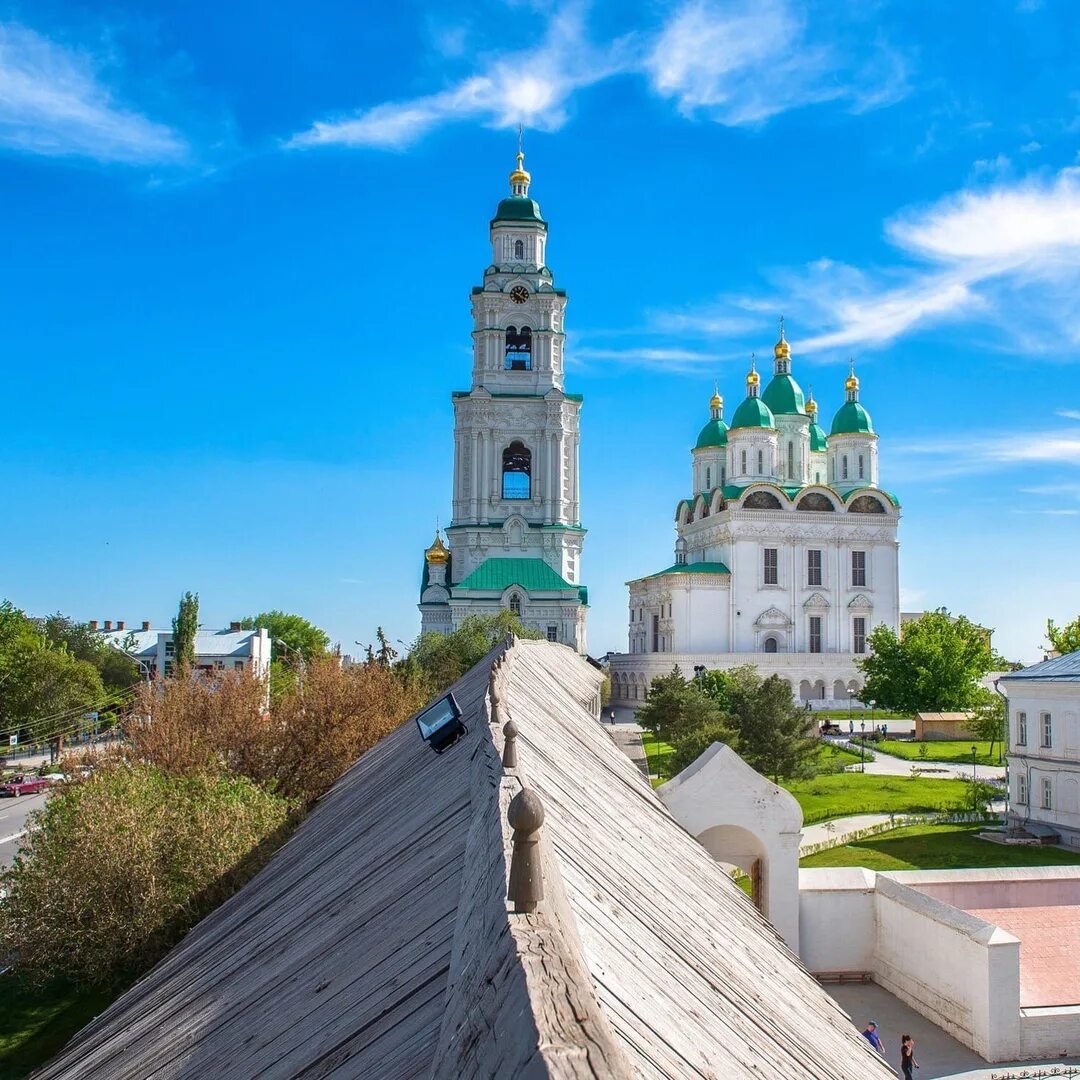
516, 526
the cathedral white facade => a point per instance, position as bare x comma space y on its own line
786, 554
515, 538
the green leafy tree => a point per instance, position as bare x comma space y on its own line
720, 686
303, 640
1064, 639
694, 741
934, 666
118, 671
989, 719
185, 626
437, 660
775, 736
665, 706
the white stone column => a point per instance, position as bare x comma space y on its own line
474, 477
485, 475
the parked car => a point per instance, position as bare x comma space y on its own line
23, 785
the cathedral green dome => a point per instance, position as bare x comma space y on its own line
851, 419
817, 437
753, 412
519, 208
784, 395
714, 433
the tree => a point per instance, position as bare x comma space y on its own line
185, 626
989, 719
775, 736
437, 660
115, 869
303, 641
118, 671
1064, 639
935, 666
665, 706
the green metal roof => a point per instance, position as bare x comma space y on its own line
519, 208
784, 395
851, 419
869, 489
753, 412
533, 575
694, 568
714, 433
817, 438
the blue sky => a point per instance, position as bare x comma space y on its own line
239, 243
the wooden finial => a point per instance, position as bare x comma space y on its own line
526, 886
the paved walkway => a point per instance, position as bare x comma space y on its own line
889, 765
841, 828
940, 1056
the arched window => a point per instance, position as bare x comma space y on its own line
708, 478
761, 500
845, 466
817, 476
517, 472
744, 461
791, 460
515, 604
723, 476
860, 467
519, 249
866, 504
770, 644
814, 500
518, 349
760, 462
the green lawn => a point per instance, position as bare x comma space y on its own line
34, 1024
877, 717
843, 794
935, 847
956, 752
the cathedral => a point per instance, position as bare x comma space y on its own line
786, 554
515, 539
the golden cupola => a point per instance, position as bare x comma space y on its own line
520, 178
438, 554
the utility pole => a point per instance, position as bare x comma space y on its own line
862, 746
974, 786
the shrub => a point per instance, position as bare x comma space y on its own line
116, 868
694, 743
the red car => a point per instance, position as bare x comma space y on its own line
23, 785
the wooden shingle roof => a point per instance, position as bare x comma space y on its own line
378, 941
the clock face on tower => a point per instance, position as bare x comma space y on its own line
519, 294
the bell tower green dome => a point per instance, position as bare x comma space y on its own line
753, 412
851, 418
783, 395
714, 433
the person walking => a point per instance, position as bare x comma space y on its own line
872, 1037
907, 1057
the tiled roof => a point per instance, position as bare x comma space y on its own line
533, 575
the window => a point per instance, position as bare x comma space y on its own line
817, 476
791, 460
517, 469
515, 604
815, 633
168, 668
813, 567
858, 635
170, 648
1047, 730
770, 644
708, 478
858, 569
238, 665
518, 349
1021, 789
861, 467
219, 664
760, 462
845, 466
655, 633
519, 249
723, 476
772, 566
744, 461
1021, 729
1047, 794
553, 633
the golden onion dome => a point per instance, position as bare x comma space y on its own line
519, 175
437, 554
782, 350
752, 377
851, 383
811, 407
716, 401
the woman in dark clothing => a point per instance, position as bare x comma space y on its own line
907, 1057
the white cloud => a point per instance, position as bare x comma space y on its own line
666, 359
531, 87
739, 64
53, 102
983, 453
1030, 147
1069, 414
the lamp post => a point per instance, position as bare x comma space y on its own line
974, 788
862, 746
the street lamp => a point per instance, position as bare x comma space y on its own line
974, 788
862, 746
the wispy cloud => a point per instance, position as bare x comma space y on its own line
667, 359
737, 64
531, 87
53, 101
984, 453
1069, 414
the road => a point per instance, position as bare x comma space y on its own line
13, 814
888, 765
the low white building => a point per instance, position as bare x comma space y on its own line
1044, 746
215, 650
786, 554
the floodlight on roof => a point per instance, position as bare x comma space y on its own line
440, 724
